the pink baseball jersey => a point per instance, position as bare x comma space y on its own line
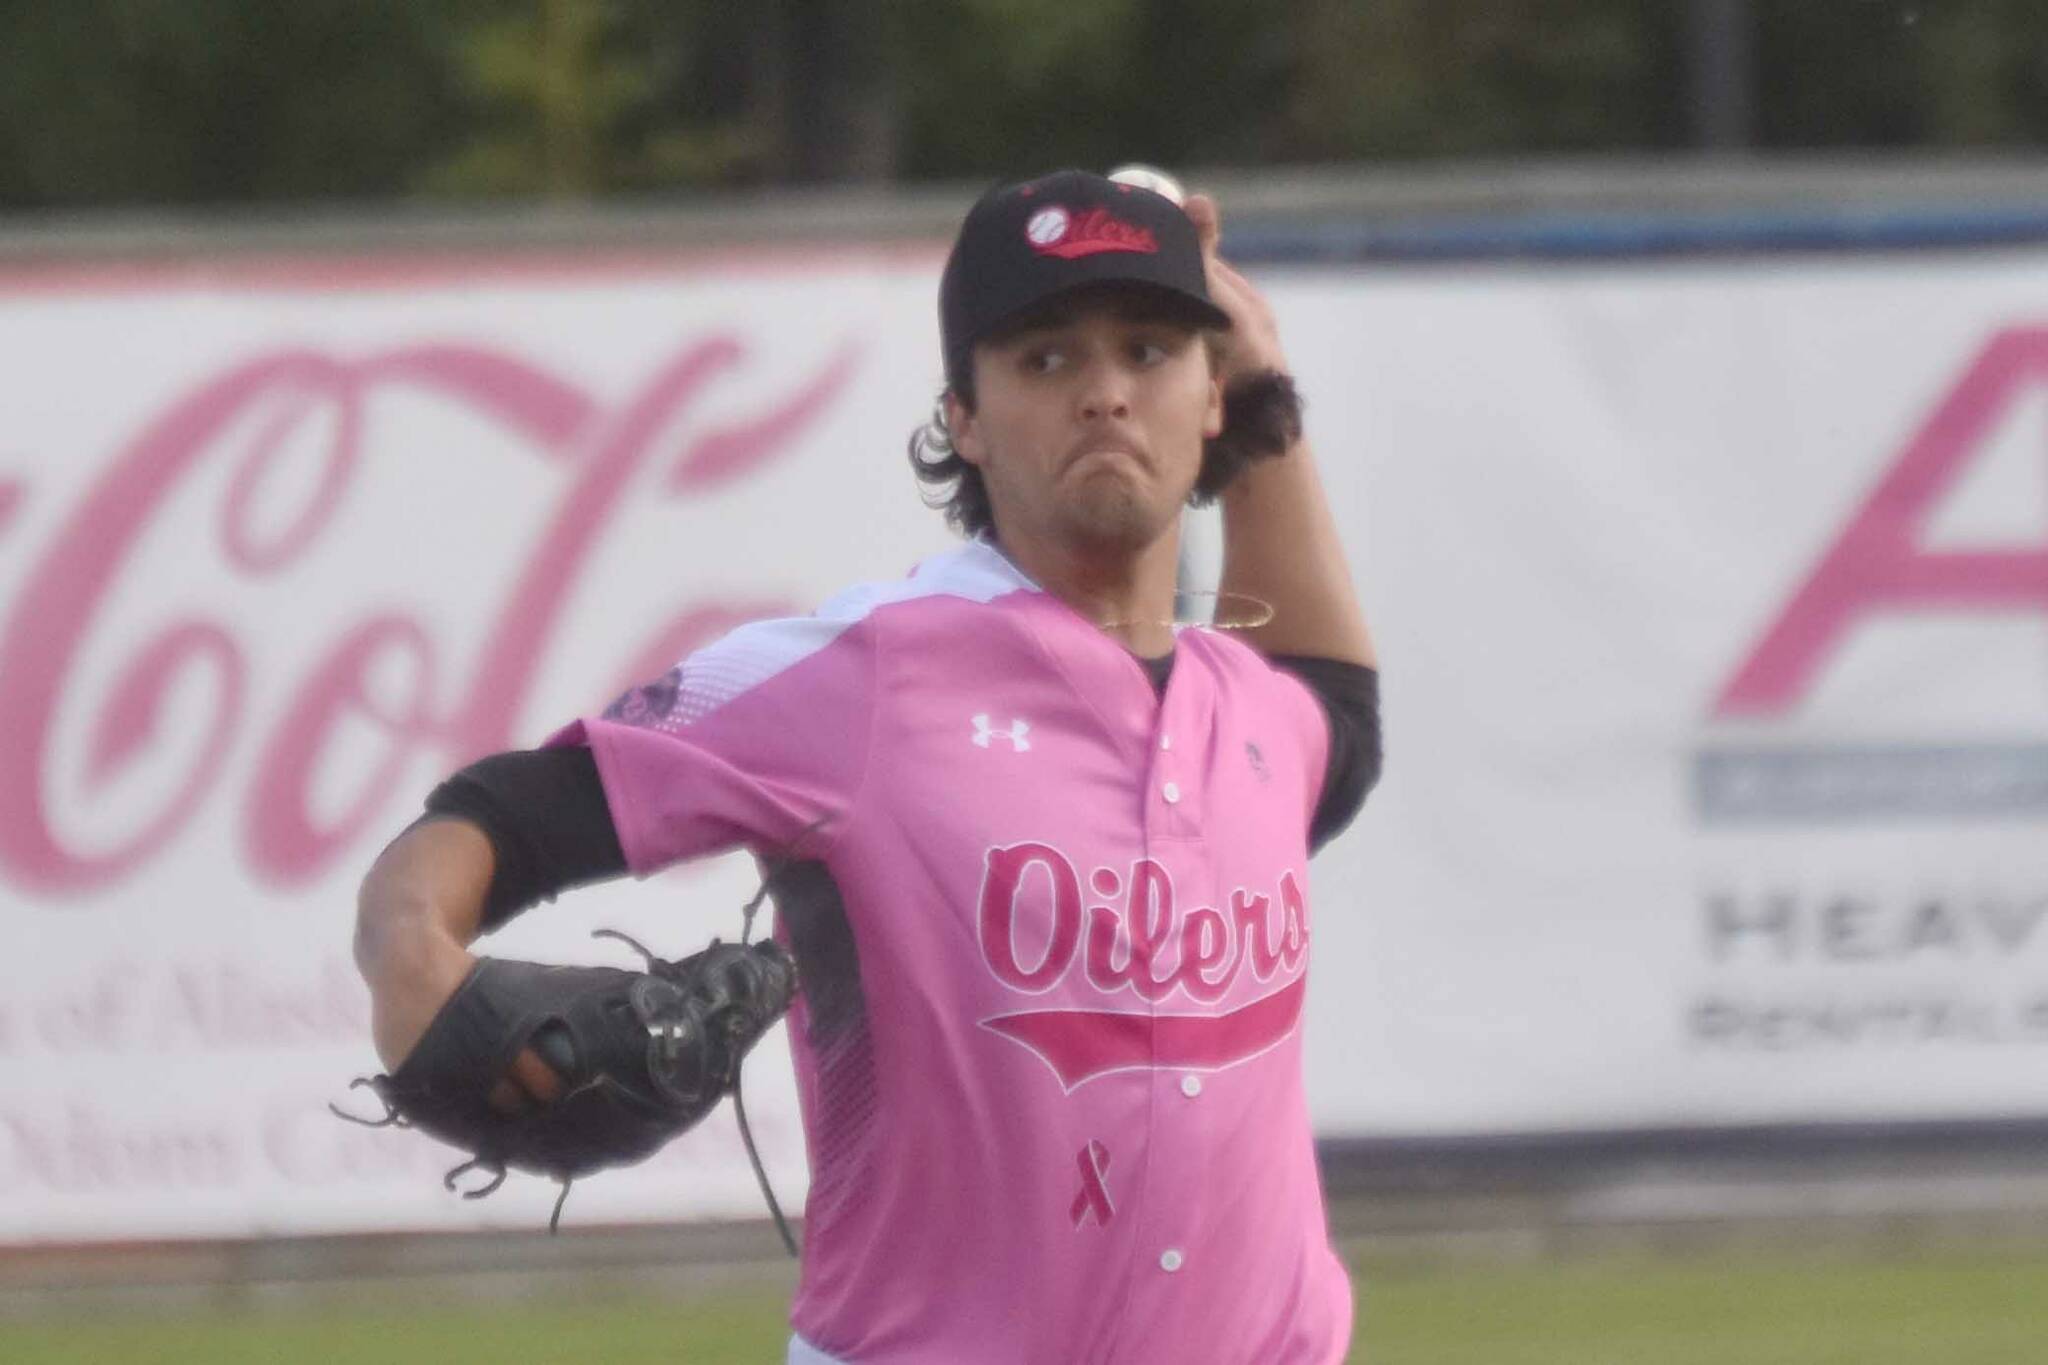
1053, 940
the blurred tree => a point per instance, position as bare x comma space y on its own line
824, 87
1238, 80
1009, 86
131, 101
1412, 78
1988, 68
998, 80
579, 97
573, 98
1898, 73
1838, 75
216, 101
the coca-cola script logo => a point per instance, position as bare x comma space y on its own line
1151, 948
283, 842
1053, 232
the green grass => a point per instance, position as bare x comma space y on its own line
1948, 1310
611, 1333
1955, 1310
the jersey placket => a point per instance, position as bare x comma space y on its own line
1175, 796
1179, 751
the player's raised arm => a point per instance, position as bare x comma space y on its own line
1280, 541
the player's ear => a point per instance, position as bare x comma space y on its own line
962, 430
1212, 415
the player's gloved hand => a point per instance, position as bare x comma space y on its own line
565, 1070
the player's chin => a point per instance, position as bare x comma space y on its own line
1117, 517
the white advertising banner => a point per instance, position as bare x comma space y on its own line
280, 547
1713, 603
1713, 606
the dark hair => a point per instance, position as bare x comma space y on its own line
1261, 419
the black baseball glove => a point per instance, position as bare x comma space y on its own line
642, 1056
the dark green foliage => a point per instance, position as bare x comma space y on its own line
201, 101
1432, 78
136, 102
1005, 87
1899, 73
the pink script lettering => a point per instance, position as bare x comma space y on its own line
1150, 945
1875, 564
283, 841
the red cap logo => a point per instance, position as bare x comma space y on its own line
1053, 231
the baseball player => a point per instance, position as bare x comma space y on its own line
1041, 847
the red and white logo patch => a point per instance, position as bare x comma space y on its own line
1047, 227
1054, 231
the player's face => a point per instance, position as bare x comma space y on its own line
1088, 424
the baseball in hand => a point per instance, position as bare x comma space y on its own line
1150, 178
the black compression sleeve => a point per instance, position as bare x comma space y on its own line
545, 813
1350, 694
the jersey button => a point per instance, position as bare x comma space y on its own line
1170, 1260
1166, 741
1171, 791
1191, 1086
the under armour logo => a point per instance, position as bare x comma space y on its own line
1015, 734
1094, 1196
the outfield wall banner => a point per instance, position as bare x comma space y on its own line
1713, 599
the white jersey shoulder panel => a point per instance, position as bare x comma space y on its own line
752, 654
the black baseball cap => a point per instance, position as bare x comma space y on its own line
1024, 243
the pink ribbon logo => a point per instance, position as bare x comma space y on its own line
1094, 1195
